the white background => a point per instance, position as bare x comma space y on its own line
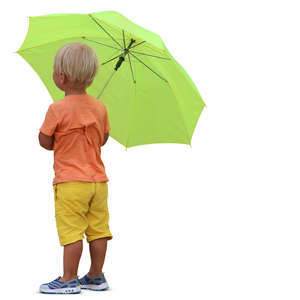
219, 220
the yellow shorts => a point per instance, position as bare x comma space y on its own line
81, 207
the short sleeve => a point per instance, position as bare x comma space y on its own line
50, 122
106, 122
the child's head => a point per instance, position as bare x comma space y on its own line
75, 66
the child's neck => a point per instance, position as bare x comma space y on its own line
72, 91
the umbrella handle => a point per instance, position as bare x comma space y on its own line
121, 59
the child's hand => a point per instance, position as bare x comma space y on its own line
46, 141
106, 135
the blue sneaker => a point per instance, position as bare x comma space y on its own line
59, 287
97, 283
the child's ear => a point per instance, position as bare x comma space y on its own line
63, 78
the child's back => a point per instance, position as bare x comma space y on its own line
78, 123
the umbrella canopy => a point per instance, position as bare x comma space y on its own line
149, 97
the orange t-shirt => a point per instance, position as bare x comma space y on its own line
78, 123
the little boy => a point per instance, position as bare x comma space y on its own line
75, 128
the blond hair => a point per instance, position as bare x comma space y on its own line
79, 62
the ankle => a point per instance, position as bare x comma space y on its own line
91, 274
67, 278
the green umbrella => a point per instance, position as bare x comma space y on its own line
149, 97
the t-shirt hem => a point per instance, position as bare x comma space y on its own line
103, 179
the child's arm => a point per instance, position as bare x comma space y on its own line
46, 141
46, 135
106, 127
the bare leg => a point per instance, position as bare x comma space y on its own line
97, 253
72, 254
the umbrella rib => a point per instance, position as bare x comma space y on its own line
180, 110
47, 43
124, 39
131, 117
111, 59
138, 44
105, 31
149, 67
150, 55
101, 44
131, 69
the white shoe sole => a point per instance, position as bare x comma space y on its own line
95, 287
75, 290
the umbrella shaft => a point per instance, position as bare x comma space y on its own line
107, 82
122, 58
119, 63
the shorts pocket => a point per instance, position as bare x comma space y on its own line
59, 208
54, 191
